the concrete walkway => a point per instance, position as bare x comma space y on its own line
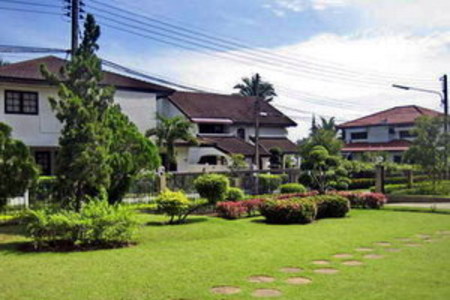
422, 205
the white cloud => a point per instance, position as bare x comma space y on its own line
403, 56
280, 7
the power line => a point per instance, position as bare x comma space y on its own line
30, 3
27, 49
187, 32
31, 11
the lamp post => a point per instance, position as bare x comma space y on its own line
444, 101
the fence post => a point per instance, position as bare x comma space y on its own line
379, 179
410, 177
26, 199
162, 179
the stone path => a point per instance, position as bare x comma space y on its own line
344, 259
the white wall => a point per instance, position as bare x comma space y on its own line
43, 130
377, 134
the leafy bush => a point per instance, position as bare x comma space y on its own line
268, 183
364, 200
290, 188
235, 194
177, 206
212, 187
97, 225
297, 195
289, 211
252, 206
331, 206
230, 210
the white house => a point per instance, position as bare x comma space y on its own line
225, 125
25, 107
386, 131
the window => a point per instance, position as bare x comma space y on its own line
43, 159
397, 159
359, 135
404, 134
208, 159
212, 128
241, 133
17, 102
391, 130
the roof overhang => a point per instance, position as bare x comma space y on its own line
212, 120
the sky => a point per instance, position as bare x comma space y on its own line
325, 57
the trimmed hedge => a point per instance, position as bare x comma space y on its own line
213, 187
235, 194
331, 206
268, 183
364, 200
366, 183
289, 211
290, 188
230, 210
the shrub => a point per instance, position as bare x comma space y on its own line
177, 206
97, 225
289, 211
364, 200
252, 206
268, 183
331, 206
212, 187
230, 209
297, 195
290, 188
235, 194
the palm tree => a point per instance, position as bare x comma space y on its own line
168, 131
329, 124
256, 87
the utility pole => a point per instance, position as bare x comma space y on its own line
445, 103
75, 9
257, 154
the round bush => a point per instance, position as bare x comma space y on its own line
235, 194
172, 203
212, 187
269, 183
292, 188
290, 211
331, 206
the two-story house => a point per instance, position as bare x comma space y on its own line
25, 107
225, 125
386, 131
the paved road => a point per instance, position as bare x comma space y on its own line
424, 205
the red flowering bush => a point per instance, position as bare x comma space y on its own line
230, 210
331, 206
252, 206
289, 211
364, 200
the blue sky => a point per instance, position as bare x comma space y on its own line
375, 41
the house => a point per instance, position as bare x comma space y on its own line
386, 131
25, 107
225, 125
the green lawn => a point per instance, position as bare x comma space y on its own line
184, 262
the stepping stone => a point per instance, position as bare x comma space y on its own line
326, 271
404, 239
225, 290
321, 262
373, 256
383, 244
443, 232
413, 245
298, 280
430, 241
266, 293
364, 249
393, 249
424, 236
261, 279
352, 263
343, 255
291, 270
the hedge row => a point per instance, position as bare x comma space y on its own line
365, 183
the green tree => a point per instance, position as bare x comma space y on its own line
17, 168
131, 154
256, 87
168, 131
429, 147
324, 170
276, 158
82, 107
321, 137
328, 124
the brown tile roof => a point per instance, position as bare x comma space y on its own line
233, 145
397, 145
284, 144
237, 108
393, 116
29, 72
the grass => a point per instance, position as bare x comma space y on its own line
184, 262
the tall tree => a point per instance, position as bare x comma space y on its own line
328, 124
256, 87
168, 131
17, 168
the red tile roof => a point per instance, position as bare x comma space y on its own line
283, 143
29, 71
393, 116
397, 145
233, 145
237, 108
